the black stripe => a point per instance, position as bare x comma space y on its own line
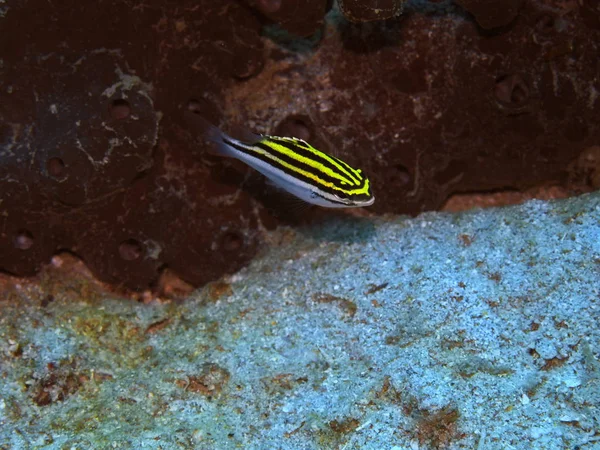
357, 175
304, 151
335, 181
303, 166
269, 161
329, 200
247, 150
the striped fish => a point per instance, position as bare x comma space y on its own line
297, 167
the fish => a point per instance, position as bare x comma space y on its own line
295, 166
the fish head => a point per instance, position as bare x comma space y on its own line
357, 196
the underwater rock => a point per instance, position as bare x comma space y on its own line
299, 17
456, 331
365, 11
96, 159
492, 13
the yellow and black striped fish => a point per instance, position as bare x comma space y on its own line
297, 167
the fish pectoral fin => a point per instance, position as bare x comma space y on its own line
286, 204
286, 200
273, 185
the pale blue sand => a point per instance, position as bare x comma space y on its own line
476, 330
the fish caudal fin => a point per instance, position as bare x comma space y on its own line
209, 133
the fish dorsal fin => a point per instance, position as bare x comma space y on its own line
245, 135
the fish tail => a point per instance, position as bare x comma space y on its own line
210, 133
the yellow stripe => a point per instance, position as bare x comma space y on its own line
363, 190
310, 162
357, 172
335, 161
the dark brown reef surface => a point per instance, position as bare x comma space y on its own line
432, 99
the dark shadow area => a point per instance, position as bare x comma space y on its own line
291, 42
339, 226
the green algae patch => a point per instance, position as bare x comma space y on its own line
112, 339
